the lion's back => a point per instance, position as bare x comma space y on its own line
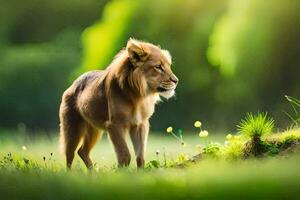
72, 93
85, 79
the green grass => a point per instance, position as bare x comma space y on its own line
103, 153
269, 179
25, 175
295, 115
256, 125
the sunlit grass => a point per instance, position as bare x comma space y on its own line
32, 168
103, 154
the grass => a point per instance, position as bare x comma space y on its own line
269, 179
103, 153
254, 127
295, 115
29, 171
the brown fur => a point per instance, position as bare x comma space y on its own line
118, 100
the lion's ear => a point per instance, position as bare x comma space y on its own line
137, 53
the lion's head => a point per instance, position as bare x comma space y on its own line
151, 68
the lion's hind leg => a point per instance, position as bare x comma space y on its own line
89, 140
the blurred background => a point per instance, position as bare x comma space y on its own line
231, 57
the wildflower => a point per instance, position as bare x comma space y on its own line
169, 129
229, 136
24, 148
203, 133
181, 158
179, 138
197, 124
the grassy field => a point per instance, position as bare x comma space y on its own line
32, 168
103, 153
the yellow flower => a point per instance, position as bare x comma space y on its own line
197, 124
203, 133
24, 148
169, 129
229, 136
181, 158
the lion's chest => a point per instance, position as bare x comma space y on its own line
143, 111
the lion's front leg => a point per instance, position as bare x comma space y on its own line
117, 136
139, 136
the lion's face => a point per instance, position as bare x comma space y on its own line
154, 66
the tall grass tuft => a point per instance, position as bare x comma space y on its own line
255, 126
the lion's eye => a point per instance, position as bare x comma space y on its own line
159, 67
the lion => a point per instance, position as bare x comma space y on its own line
118, 100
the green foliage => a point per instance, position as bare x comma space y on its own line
284, 139
239, 23
234, 148
256, 125
271, 148
251, 47
153, 164
45, 20
212, 149
101, 40
39, 49
33, 78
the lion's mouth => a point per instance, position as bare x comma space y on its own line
162, 89
166, 92
166, 87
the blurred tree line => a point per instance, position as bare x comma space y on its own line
39, 48
231, 56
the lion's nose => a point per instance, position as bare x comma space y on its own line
174, 79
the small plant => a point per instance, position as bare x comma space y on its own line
179, 138
234, 146
181, 158
255, 126
212, 149
153, 164
202, 133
